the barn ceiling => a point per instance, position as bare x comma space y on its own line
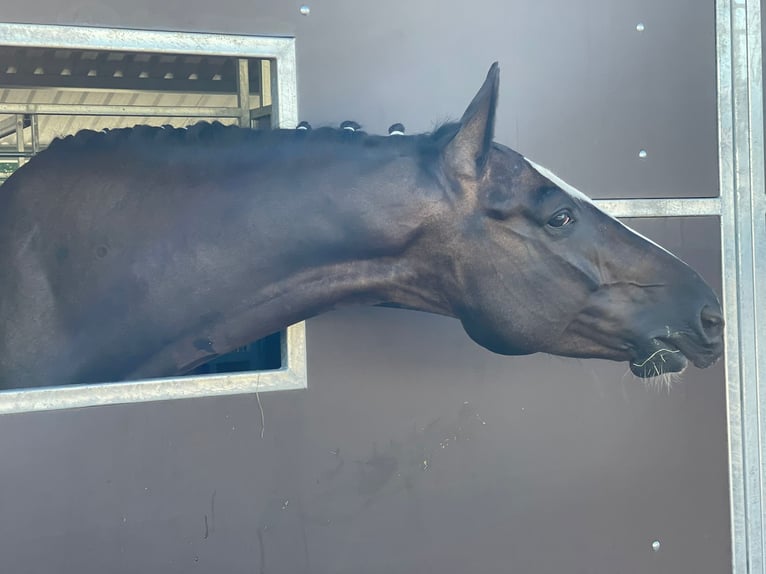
86, 78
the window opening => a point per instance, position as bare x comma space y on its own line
58, 80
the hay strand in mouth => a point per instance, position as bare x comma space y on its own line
658, 351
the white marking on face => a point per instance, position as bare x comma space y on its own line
570, 189
574, 192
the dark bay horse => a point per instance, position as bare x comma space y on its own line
145, 252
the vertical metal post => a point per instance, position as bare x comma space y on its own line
20, 137
264, 84
743, 237
277, 113
243, 92
35, 123
264, 92
257, 83
262, 122
284, 88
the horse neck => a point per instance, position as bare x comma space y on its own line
350, 231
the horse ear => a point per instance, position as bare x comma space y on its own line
466, 154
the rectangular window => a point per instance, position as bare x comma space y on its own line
57, 80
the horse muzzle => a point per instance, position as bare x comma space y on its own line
702, 345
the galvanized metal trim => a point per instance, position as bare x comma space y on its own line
124, 40
284, 87
758, 222
740, 118
111, 110
729, 247
682, 207
291, 376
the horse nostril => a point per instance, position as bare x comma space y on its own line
712, 322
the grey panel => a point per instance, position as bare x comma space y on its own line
380, 466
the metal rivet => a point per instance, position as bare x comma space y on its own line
642, 153
305, 10
640, 27
656, 546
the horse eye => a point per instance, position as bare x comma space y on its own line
561, 219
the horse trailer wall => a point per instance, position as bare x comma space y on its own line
412, 449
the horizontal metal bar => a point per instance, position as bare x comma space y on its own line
106, 110
123, 40
662, 207
258, 113
138, 111
15, 154
659, 207
109, 84
77, 396
8, 127
291, 376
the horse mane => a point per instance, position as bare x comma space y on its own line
204, 133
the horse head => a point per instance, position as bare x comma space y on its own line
536, 266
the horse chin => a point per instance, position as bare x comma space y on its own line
657, 358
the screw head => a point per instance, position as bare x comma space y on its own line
305, 10
640, 27
642, 154
656, 546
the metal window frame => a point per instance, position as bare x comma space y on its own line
281, 51
743, 248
